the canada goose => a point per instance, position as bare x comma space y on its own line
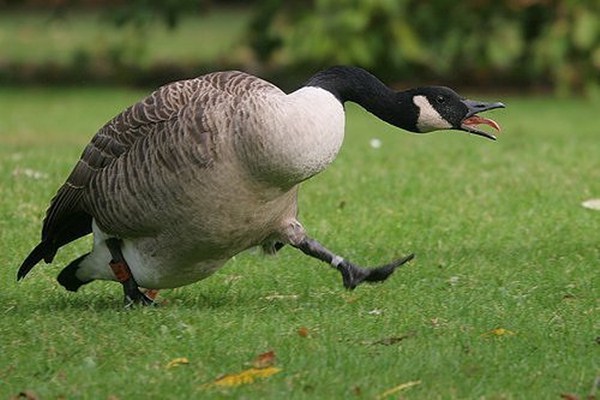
205, 168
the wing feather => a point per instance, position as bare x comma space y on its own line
124, 154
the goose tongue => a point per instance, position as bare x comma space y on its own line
472, 119
475, 120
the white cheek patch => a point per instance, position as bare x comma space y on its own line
429, 119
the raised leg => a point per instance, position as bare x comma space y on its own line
119, 266
352, 275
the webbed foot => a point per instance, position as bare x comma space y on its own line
352, 275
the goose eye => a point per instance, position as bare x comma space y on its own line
440, 99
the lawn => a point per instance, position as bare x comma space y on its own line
42, 37
501, 301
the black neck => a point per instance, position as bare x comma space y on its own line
360, 87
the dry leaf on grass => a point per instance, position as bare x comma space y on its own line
176, 362
498, 332
262, 367
303, 331
264, 360
397, 389
247, 376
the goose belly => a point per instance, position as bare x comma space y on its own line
154, 271
191, 246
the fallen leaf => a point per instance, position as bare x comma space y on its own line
498, 332
245, 377
303, 331
397, 389
264, 360
176, 362
262, 367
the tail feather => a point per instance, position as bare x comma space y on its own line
79, 224
44, 250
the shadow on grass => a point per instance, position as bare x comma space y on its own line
108, 297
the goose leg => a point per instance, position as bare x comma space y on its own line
352, 274
123, 274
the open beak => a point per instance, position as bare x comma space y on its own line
472, 120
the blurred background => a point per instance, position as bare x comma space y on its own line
525, 45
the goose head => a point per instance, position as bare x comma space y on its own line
434, 108
418, 110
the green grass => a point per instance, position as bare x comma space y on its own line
33, 38
500, 237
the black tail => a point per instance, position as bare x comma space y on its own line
68, 276
45, 250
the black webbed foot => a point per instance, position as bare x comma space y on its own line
352, 275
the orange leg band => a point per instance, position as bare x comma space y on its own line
121, 270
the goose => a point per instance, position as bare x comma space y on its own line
203, 169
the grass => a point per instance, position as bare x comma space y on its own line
33, 38
500, 237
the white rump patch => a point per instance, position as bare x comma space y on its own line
429, 119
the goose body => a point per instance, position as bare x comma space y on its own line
203, 169
174, 234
